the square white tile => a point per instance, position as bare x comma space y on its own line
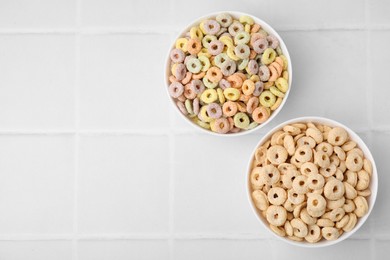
36, 250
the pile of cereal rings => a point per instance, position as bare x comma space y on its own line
228, 75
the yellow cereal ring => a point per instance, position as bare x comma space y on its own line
173, 69
255, 78
201, 123
285, 75
195, 32
205, 62
267, 99
204, 52
281, 84
209, 96
231, 55
201, 27
247, 28
277, 104
276, 92
245, 19
204, 116
268, 56
227, 41
221, 97
231, 94
181, 44
285, 62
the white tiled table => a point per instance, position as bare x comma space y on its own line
95, 164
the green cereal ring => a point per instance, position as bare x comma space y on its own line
276, 92
242, 64
281, 84
188, 105
232, 94
251, 125
279, 50
268, 56
267, 99
242, 38
220, 59
207, 39
205, 62
194, 65
208, 83
209, 96
224, 20
241, 120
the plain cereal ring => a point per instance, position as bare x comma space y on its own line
292, 130
295, 238
315, 181
298, 209
354, 162
289, 206
309, 220
285, 167
330, 233
363, 180
351, 222
294, 197
176, 89
334, 204
300, 184
351, 178
334, 160
235, 27
294, 161
260, 114
272, 172
308, 168
259, 177
288, 228
316, 205
268, 56
260, 200
214, 110
278, 230
306, 140
361, 206
336, 214
342, 167
349, 145
344, 221
325, 222
313, 234
328, 171
334, 189
288, 143
277, 154
299, 227
315, 134
325, 147
289, 177
364, 193
349, 206
241, 120
356, 150
337, 136
321, 159
267, 99
367, 166
276, 215
277, 196
303, 153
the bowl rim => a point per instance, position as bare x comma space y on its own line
373, 183
236, 14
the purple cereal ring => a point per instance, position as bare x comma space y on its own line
264, 73
222, 125
188, 58
176, 89
260, 45
197, 86
224, 84
273, 42
177, 55
195, 106
253, 67
259, 87
211, 27
215, 47
228, 68
235, 27
181, 107
180, 71
214, 110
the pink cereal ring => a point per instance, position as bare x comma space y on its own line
211, 27
182, 98
195, 106
197, 86
180, 71
260, 45
215, 47
176, 89
235, 130
181, 107
273, 42
264, 73
228, 68
214, 110
177, 55
224, 84
253, 67
252, 104
259, 87
231, 122
187, 78
222, 125
189, 93
255, 37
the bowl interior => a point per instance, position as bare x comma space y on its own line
267, 28
373, 182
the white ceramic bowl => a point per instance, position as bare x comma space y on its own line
373, 182
268, 29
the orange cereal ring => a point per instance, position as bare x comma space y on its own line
273, 72
172, 79
214, 74
278, 67
182, 98
189, 92
194, 46
235, 81
229, 108
231, 122
255, 28
241, 106
260, 115
252, 55
279, 61
187, 78
248, 86
244, 98
222, 125
241, 75
199, 75
252, 104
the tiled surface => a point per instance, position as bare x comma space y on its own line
95, 163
